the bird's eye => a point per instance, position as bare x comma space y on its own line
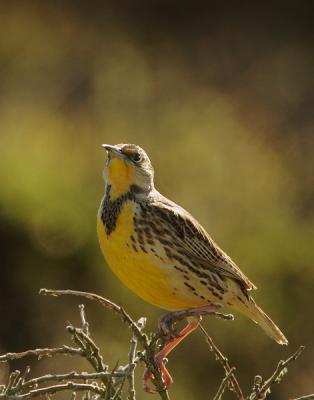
136, 157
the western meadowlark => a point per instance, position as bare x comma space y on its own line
164, 255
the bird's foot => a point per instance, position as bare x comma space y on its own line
161, 356
173, 338
149, 376
166, 323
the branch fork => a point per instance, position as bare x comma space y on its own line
104, 384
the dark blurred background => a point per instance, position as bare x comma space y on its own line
221, 97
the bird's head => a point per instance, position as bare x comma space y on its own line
128, 168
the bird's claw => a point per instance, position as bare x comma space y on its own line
168, 332
166, 327
166, 323
149, 376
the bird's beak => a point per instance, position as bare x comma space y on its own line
113, 150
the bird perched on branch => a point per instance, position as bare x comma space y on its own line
164, 255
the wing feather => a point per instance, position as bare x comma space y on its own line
195, 242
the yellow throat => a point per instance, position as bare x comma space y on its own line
121, 175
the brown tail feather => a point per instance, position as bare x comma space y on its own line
250, 309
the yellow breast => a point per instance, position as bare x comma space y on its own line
141, 272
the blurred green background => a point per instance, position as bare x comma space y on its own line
221, 97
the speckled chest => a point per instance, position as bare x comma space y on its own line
110, 209
141, 243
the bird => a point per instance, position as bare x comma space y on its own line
164, 255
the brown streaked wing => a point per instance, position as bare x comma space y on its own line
195, 242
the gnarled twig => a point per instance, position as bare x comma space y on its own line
234, 384
261, 390
108, 385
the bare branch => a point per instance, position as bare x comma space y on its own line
131, 368
56, 388
224, 384
85, 324
69, 376
108, 385
234, 384
13, 379
92, 351
40, 353
261, 390
101, 300
149, 346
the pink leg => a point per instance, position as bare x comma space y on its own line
148, 376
